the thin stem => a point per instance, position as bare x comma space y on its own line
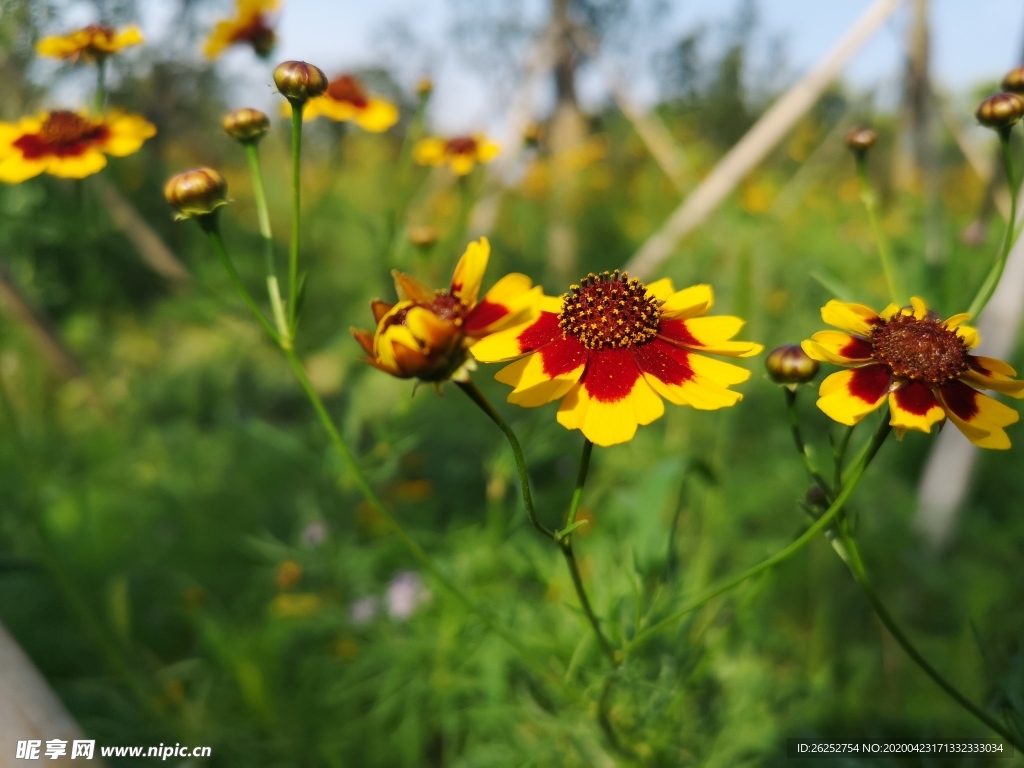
293, 256
870, 200
564, 540
839, 455
263, 214
368, 493
988, 287
798, 440
856, 566
474, 393
210, 227
866, 455
100, 97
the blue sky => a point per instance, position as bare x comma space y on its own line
972, 41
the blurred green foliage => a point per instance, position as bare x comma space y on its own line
149, 506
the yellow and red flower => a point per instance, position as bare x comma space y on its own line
68, 144
346, 100
92, 43
917, 362
613, 347
426, 334
251, 25
460, 153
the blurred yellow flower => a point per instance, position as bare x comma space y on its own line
91, 43
68, 144
287, 575
250, 25
345, 100
295, 605
460, 153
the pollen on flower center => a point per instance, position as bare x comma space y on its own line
460, 145
346, 89
63, 128
920, 350
609, 310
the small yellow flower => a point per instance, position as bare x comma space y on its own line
68, 144
460, 153
345, 100
919, 364
426, 334
92, 43
250, 26
612, 348
295, 605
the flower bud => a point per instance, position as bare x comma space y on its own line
245, 125
861, 138
299, 81
413, 341
198, 192
789, 364
424, 87
1000, 111
423, 236
1014, 81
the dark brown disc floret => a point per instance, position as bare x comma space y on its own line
920, 350
609, 310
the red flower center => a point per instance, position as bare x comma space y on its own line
256, 33
347, 89
460, 145
100, 31
609, 310
919, 350
63, 134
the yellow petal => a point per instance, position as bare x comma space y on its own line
410, 288
469, 272
920, 308
689, 302
428, 152
846, 398
661, 289
500, 346
486, 150
16, 169
837, 348
854, 318
377, 116
127, 134
913, 406
78, 167
461, 164
606, 423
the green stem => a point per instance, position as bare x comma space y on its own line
211, 228
474, 393
605, 723
853, 560
866, 455
418, 553
870, 200
988, 287
100, 97
564, 540
839, 455
798, 439
293, 255
263, 214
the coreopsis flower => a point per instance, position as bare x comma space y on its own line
611, 349
251, 25
426, 334
460, 153
68, 144
345, 100
920, 364
92, 43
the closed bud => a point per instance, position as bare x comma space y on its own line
1014, 81
790, 365
299, 81
413, 341
861, 138
424, 87
245, 125
423, 236
198, 192
1001, 111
